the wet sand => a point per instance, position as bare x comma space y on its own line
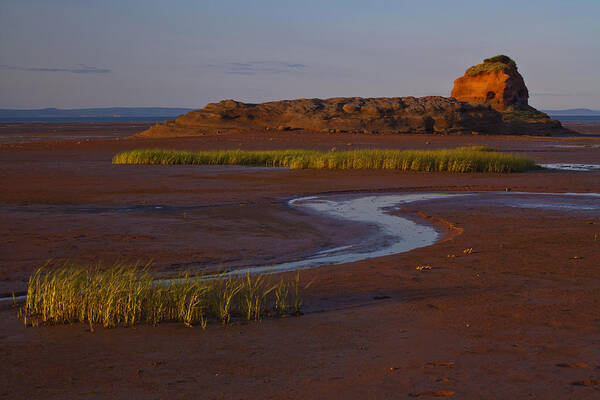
54, 131
584, 127
491, 324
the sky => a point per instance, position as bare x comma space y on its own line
185, 53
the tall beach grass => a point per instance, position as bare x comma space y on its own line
463, 159
125, 296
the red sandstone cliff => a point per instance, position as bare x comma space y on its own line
495, 81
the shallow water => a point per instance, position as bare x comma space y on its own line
576, 146
572, 167
394, 234
571, 202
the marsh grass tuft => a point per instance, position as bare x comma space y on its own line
125, 296
462, 159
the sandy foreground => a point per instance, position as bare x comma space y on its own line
516, 318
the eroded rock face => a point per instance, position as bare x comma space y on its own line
431, 114
496, 82
491, 98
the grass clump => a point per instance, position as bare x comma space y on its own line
497, 63
463, 159
121, 296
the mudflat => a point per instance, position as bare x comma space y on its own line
585, 128
53, 131
514, 318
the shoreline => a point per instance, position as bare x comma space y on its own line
18, 133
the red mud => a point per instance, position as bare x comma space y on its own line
516, 318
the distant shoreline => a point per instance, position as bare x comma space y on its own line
24, 120
160, 114
576, 118
107, 114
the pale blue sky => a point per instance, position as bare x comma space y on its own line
183, 53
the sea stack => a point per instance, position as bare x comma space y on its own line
496, 81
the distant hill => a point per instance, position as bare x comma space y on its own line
573, 112
112, 112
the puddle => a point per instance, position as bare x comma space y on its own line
576, 146
548, 201
572, 167
566, 194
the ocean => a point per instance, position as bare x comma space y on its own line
576, 118
6, 120
570, 118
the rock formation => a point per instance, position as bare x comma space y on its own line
343, 115
495, 81
490, 98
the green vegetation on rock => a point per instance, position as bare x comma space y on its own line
526, 113
464, 159
497, 63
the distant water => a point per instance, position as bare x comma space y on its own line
84, 119
576, 118
570, 118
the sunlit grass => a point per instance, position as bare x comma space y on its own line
463, 159
125, 296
